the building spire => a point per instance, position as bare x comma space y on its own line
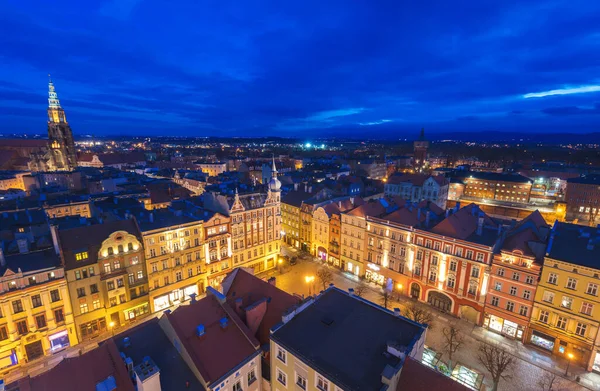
274, 168
53, 102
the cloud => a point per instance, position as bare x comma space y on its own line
564, 91
119, 9
571, 110
379, 122
331, 114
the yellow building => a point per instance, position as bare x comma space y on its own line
36, 317
13, 180
566, 312
290, 216
106, 275
175, 256
320, 231
81, 208
354, 240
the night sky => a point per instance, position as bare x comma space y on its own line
302, 68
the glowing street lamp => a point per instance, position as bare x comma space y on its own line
570, 357
309, 280
111, 326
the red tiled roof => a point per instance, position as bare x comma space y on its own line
418, 377
85, 157
371, 208
219, 350
405, 217
463, 223
252, 289
83, 372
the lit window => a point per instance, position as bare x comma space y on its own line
81, 256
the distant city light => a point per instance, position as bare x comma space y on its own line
322, 145
308, 145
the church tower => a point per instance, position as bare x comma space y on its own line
60, 136
420, 152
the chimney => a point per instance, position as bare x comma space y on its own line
116, 200
480, 221
397, 350
151, 217
28, 215
82, 221
397, 311
272, 281
223, 322
54, 232
447, 212
310, 189
200, 330
2, 259
295, 186
23, 245
340, 204
457, 206
419, 215
306, 187
192, 297
351, 292
427, 218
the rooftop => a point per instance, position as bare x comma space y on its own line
575, 244
492, 176
31, 261
418, 377
463, 225
345, 338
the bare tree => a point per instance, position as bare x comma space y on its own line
419, 314
360, 290
496, 361
325, 276
550, 382
386, 296
453, 340
593, 214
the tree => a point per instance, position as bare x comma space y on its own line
453, 339
592, 215
385, 297
550, 382
325, 276
419, 314
360, 290
496, 361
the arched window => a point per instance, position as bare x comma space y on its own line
120, 248
110, 251
130, 246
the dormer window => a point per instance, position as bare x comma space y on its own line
81, 256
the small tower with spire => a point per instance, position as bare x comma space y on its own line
274, 183
60, 136
420, 152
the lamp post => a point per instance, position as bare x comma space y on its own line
279, 263
111, 325
570, 357
309, 280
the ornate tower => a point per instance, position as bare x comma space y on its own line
60, 138
420, 152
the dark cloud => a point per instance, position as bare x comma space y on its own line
267, 67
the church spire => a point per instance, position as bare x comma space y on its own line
53, 102
274, 169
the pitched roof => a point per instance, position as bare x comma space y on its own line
419, 377
372, 208
219, 350
416, 179
89, 238
296, 197
83, 372
463, 223
526, 231
31, 261
575, 244
250, 289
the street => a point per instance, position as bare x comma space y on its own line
530, 365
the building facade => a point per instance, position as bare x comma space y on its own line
583, 197
418, 187
60, 137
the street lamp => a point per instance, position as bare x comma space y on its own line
111, 326
570, 357
309, 280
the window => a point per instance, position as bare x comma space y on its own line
110, 285
54, 295
543, 316
510, 306
281, 355
322, 384
36, 301
113, 301
281, 377
432, 275
472, 289
77, 275
592, 289
81, 256
469, 254
459, 252
513, 290
83, 308
237, 386
523, 310
501, 272
251, 376
580, 330
586, 308
140, 274
516, 276
552, 279
107, 268
59, 315
96, 304
453, 266
561, 323
3, 333
571, 283
480, 257
434, 260
450, 282
529, 280
17, 306
526, 295
134, 260
475, 272
178, 276
548, 297
40, 321
417, 270
301, 381
22, 327
120, 283
495, 301
566, 302
498, 286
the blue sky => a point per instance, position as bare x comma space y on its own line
296, 68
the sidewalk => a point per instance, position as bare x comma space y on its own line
521, 351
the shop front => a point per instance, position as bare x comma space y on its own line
334, 261
135, 312
503, 326
59, 341
353, 268
372, 274
542, 340
92, 329
596, 362
174, 297
322, 253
